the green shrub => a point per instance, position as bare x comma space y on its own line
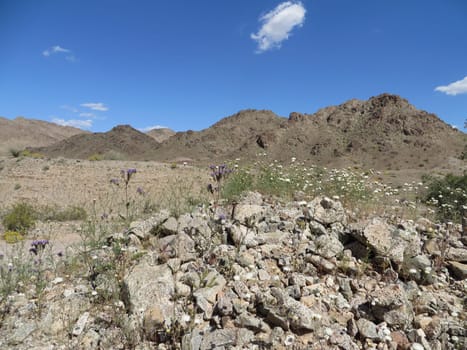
21, 217
95, 157
15, 152
35, 155
12, 237
448, 195
237, 183
70, 213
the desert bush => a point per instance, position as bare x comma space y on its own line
55, 213
15, 153
12, 237
448, 195
239, 181
21, 217
35, 155
113, 155
95, 157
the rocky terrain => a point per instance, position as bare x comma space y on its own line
347, 258
258, 275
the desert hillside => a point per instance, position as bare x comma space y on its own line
384, 132
21, 132
122, 142
160, 134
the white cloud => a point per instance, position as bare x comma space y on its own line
455, 88
149, 128
60, 50
95, 106
82, 124
277, 25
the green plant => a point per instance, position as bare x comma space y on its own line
21, 217
12, 237
15, 152
17, 187
95, 157
448, 195
35, 155
237, 183
55, 213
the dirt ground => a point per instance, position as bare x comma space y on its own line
61, 183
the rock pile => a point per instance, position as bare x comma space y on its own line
261, 275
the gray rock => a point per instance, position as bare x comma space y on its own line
90, 340
224, 306
263, 275
192, 341
459, 270
147, 285
205, 306
456, 254
227, 338
242, 236
300, 317
367, 329
61, 314
247, 320
326, 211
180, 245
144, 228
387, 241
249, 213
22, 333
328, 246
317, 229
80, 324
212, 284
321, 264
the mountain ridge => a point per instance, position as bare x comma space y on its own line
383, 132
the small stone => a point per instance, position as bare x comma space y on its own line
263, 275
21, 333
367, 329
80, 324
57, 280
417, 346
459, 270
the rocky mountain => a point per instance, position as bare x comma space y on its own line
122, 142
384, 132
160, 134
21, 132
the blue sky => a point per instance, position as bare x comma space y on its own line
187, 64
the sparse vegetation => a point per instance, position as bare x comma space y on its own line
21, 217
448, 195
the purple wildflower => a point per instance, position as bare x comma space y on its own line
140, 191
115, 181
38, 245
219, 172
